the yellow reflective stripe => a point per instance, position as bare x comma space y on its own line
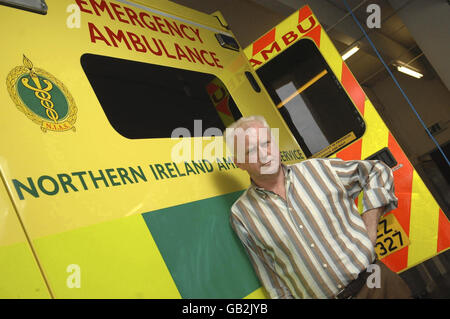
423, 229
360, 202
375, 138
330, 54
377, 135
259, 293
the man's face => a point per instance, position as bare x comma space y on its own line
256, 150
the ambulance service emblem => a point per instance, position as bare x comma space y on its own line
42, 97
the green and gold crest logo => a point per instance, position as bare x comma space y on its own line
42, 97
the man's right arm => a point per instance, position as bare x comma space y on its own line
261, 263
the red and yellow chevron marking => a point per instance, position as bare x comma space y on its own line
418, 214
220, 97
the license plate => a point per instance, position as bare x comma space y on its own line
390, 236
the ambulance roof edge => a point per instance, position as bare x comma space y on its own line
146, 8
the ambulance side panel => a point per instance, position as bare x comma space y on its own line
109, 215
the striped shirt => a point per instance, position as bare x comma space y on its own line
314, 243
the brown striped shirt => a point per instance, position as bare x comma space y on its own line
315, 242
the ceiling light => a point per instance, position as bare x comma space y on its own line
350, 52
409, 71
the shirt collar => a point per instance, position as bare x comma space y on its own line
261, 191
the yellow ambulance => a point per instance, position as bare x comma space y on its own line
93, 204
330, 116
99, 196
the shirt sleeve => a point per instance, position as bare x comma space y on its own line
373, 177
261, 262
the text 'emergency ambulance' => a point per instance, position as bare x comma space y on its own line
146, 40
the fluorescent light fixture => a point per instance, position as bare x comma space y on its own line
350, 52
409, 71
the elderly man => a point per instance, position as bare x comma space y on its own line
299, 223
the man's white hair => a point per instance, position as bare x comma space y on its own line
243, 123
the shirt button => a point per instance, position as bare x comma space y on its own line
325, 265
312, 245
339, 286
301, 226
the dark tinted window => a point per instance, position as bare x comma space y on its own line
311, 100
144, 100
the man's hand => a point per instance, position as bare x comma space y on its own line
371, 218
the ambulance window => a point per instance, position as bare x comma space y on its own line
144, 100
311, 100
